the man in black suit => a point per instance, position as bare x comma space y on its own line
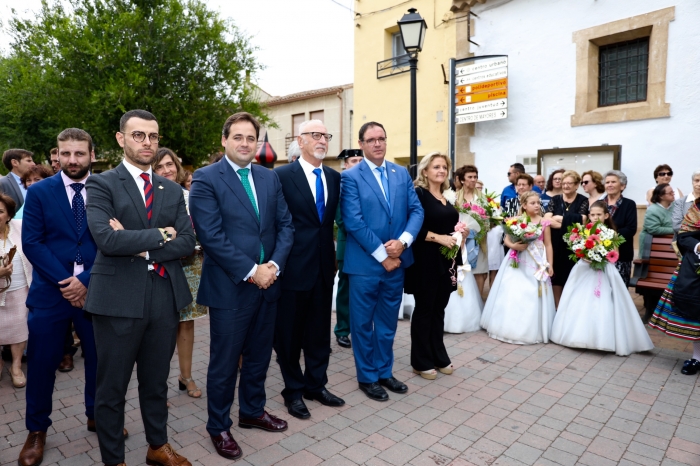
141, 227
18, 162
245, 229
304, 318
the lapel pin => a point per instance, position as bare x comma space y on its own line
160, 187
393, 170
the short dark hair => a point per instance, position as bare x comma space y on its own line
41, 170
463, 170
143, 114
240, 116
526, 177
658, 192
54, 151
550, 180
367, 126
518, 167
75, 134
9, 203
661, 167
14, 154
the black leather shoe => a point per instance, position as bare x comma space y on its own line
226, 446
691, 367
374, 391
298, 409
344, 342
394, 385
325, 397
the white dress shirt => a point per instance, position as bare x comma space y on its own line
380, 253
136, 172
311, 178
77, 268
255, 196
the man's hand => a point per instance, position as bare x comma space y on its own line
172, 231
72, 289
265, 275
391, 263
115, 224
79, 303
394, 248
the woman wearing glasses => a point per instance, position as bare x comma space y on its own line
592, 184
563, 210
663, 174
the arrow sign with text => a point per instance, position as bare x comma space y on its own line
481, 116
482, 76
482, 65
481, 87
482, 106
481, 96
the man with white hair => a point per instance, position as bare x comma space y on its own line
303, 321
293, 152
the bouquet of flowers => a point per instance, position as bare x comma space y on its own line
451, 253
521, 230
492, 207
479, 216
594, 243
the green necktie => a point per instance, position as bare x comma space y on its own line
243, 173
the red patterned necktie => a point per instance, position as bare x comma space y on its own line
148, 194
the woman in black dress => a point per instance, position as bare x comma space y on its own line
624, 213
429, 278
563, 210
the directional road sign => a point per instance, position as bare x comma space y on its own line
481, 87
481, 96
482, 106
481, 116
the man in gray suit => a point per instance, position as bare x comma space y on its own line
137, 286
19, 162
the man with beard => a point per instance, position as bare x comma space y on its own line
55, 162
57, 242
137, 287
304, 316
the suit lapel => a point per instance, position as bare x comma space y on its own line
228, 175
302, 184
133, 191
158, 195
260, 191
393, 180
369, 178
60, 196
330, 187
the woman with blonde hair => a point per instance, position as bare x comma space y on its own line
429, 279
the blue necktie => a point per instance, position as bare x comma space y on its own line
320, 196
78, 207
385, 185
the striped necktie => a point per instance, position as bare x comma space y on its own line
148, 194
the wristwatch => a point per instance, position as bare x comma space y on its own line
405, 244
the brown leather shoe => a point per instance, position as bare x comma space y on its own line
33, 450
165, 456
266, 422
226, 446
67, 363
92, 428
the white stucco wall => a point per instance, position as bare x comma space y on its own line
537, 37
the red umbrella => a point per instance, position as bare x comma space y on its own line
266, 155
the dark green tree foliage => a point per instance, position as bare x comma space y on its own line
84, 63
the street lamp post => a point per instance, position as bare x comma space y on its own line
413, 28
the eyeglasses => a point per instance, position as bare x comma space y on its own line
509, 173
669, 173
374, 141
140, 136
317, 136
585, 182
567, 183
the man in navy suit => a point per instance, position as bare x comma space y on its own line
382, 217
246, 231
58, 243
304, 318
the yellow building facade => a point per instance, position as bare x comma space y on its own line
382, 77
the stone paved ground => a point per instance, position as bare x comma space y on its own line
504, 405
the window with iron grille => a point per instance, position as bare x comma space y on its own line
623, 72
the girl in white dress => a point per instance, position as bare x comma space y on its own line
596, 310
463, 311
520, 307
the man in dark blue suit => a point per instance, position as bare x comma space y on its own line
382, 216
246, 231
58, 243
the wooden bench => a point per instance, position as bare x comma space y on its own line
653, 270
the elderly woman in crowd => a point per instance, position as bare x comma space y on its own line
592, 184
677, 313
682, 204
663, 174
429, 279
294, 152
33, 175
15, 278
167, 165
563, 210
658, 218
624, 214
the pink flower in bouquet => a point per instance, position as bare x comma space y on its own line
594, 238
479, 210
460, 227
612, 256
574, 237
